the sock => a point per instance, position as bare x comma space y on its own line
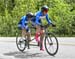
37, 37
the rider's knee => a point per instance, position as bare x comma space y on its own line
42, 32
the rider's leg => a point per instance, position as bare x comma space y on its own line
37, 33
28, 34
41, 39
23, 33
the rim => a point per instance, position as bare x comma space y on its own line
20, 43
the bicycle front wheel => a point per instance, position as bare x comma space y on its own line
21, 43
51, 44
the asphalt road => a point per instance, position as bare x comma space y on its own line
8, 50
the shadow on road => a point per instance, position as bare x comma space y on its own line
26, 54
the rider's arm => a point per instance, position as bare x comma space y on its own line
49, 21
47, 18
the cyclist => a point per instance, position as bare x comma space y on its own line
23, 25
39, 29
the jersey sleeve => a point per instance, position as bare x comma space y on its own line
47, 18
23, 21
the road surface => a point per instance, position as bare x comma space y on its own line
8, 50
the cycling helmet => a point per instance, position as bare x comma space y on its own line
30, 15
44, 8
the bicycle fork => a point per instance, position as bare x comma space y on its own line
49, 41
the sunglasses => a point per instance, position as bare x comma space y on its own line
46, 11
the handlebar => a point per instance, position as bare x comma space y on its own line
44, 26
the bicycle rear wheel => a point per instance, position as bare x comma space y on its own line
21, 43
51, 44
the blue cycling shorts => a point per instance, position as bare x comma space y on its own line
22, 27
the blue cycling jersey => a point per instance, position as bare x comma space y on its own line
23, 24
24, 21
39, 16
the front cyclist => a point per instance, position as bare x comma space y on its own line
23, 25
39, 30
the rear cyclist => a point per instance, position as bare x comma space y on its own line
23, 25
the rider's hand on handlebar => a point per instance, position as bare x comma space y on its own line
53, 25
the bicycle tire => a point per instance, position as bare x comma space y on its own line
18, 46
46, 39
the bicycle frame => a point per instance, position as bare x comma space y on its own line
47, 38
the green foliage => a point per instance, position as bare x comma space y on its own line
61, 12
